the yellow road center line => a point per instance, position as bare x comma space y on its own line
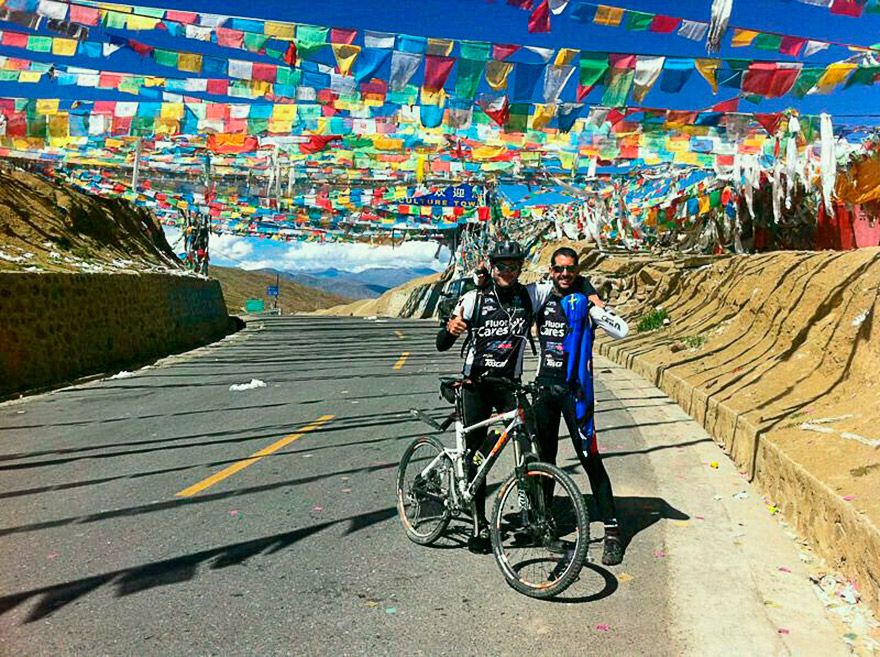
253, 458
401, 360
399, 334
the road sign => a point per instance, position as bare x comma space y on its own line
454, 196
254, 306
272, 291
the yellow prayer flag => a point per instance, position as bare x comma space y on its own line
136, 22
280, 126
47, 105
705, 203
610, 16
171, 111
543, 115
488, 152
420, 168
190, 62
166, 126
58, 125
441, 47
151, 81
29, 76
64, 47
496, 74
345, 55
284, 31
565, 56
708, 68
284, 112
834, 75
742, 38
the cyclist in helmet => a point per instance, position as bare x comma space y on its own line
555, 398
497, 319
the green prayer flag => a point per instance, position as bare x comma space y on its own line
165, 57
638, 21
618, 84
116, 20
766, 41
518, 119
9, 76
592, 68
39, 43
255, 42
478, 50
806, 81
862, 75
467, 78
310, 39
37, 125
142, 126
258, 126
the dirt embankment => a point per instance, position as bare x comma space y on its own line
778, 356
48, 227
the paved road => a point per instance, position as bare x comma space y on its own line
163, 514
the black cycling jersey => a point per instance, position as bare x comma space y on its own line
552, 328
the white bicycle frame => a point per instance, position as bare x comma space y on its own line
463, 492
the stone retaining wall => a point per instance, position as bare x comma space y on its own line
57, 327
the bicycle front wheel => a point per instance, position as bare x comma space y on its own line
539, 539
424, 476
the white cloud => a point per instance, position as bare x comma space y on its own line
254, 253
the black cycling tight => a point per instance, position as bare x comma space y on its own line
550, 404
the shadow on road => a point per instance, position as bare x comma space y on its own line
178, 569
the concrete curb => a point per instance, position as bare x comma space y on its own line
837, 531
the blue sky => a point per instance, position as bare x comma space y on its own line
498, 22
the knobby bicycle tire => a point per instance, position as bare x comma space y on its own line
572, 560
417, 495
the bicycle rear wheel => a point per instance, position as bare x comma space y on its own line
422, 499
540, 546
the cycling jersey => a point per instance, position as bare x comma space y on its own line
498, 323
552, 328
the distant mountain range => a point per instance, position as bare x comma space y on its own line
366, 284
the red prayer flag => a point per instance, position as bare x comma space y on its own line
141, 49
522, 4
769, 79
502, 51
731, 105
187, 17
498, 112
437, 70
342, 35
664, 24
770, 122
218, 87
317, 143
14, 39
791, 45
847, 7
290, 54
622, 61
539, 21
265, 72
84, 15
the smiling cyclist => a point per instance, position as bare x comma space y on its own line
497, 318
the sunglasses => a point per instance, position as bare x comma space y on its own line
558, 269
505, 268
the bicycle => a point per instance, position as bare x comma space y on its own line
552, 532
